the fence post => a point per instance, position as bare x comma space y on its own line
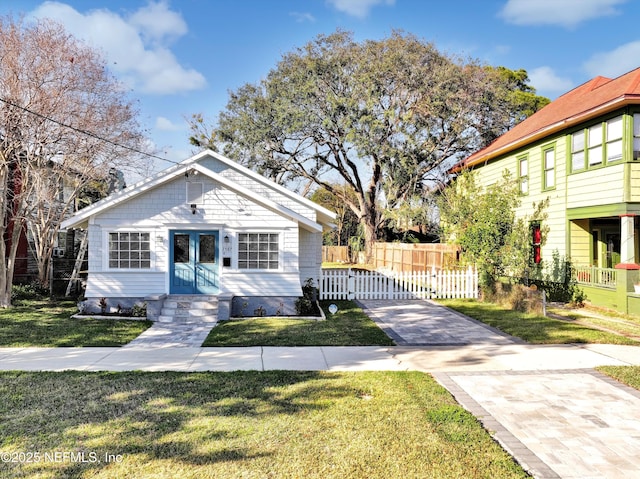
350, 285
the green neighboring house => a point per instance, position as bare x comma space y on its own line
582, 151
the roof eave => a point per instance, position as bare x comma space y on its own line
554, 128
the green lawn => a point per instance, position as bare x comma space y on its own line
533, 328
274, 424
49, 324
348, 327
629, 375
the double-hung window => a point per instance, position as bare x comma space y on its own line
577, 151
549, 168
258, 251
523, 175
129, 250
614, 139
636, 136
594, 152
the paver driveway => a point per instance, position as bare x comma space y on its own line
424, 323
571, 423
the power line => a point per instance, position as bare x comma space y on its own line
86, 132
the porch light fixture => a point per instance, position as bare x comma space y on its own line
193, 208
226, 239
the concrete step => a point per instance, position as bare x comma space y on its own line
189, 309
190, 304
187, 319
189, 312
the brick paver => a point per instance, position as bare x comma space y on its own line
579, 424
173, 335
557, 423
423, 323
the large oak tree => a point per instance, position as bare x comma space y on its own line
380, 117
64, 120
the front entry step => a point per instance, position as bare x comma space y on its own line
184, 309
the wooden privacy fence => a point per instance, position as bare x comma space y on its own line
414, 257
335, 254
357, 284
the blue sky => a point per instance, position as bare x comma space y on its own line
181, 57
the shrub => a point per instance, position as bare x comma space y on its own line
557, 279
306, 304
27, 292
139, 310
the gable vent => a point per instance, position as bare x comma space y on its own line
195, 192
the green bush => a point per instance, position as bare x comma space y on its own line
306, 304
28, 292
557, 279
139, 310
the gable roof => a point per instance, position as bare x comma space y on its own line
596, 97
324, 216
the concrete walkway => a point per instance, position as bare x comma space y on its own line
544, 403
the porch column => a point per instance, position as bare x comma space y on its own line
627, 243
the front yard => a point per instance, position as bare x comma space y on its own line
348, 327
533, 328
49, 324
273, 424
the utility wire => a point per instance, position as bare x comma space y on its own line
86, 132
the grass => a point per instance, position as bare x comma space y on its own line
534, 328
274, 424
629, 375
623, 324
49, 324
348, 327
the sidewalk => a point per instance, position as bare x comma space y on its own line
544, 403
428, 359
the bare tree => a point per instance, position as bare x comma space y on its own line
64, 120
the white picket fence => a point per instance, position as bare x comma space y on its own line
350, 284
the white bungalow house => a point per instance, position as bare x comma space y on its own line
207, 227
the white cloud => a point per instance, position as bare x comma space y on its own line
303, 17
615, 62
136, 48
358, 8
566, 13
164, 124
545, 80
157, 23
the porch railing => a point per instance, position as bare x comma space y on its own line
593, 276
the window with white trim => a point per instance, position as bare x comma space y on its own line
129, 250
258, 250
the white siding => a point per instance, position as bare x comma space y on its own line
125, 285
262, 283
310, 252
260, 188
163, 209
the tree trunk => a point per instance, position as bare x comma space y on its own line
8, 269
370, 237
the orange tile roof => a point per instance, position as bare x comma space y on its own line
593, 98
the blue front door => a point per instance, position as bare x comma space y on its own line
194, 262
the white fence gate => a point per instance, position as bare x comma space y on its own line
350, 284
